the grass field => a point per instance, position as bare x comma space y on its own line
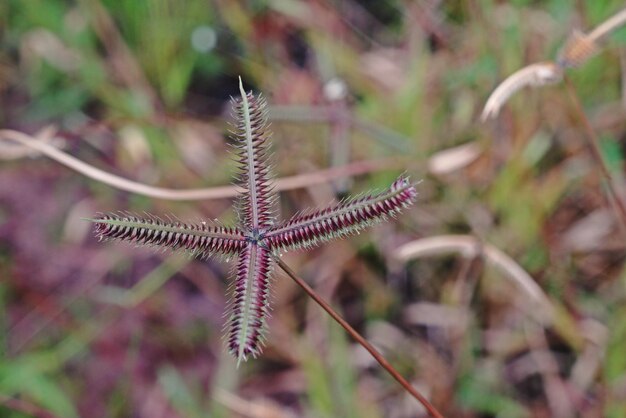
500, 293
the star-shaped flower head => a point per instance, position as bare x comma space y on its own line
257, 239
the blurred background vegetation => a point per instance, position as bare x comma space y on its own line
141, 89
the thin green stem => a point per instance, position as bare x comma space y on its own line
432, 411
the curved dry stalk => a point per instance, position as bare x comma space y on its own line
432, 411
356, 168
608, 26
469, 247
14, 151
112, 179
452, 159
578, 48
538, 74
220, 192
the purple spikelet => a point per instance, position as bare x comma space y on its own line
256, 203
250, 302
308, 229
201, 239
257, 239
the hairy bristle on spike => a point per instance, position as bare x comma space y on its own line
250, 302
201, 239
342, 219
256, 203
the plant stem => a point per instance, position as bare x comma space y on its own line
614, 198
361, 340
219, 192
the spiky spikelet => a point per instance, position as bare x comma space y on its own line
200, 239
250, 302
350, 216
256, 240
257, 202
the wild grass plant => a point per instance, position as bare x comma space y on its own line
500, 293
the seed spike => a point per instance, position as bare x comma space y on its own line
349, 216
257, 238
151, 231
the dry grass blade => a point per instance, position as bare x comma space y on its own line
470, 247
578, 48
453, 159
14, 151
28, 144
111, 179
353, 169
608, 26
535, 75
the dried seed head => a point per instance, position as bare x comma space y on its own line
577, 50
539, 74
